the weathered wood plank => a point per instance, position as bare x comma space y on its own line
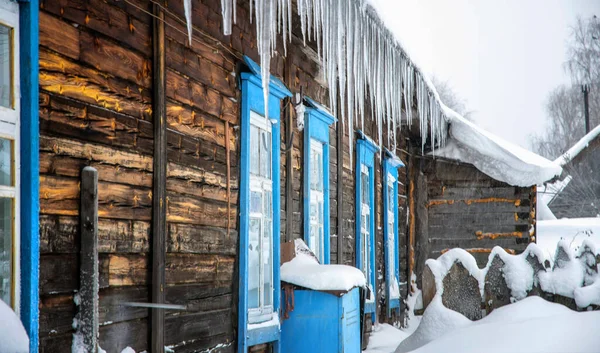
56, 314
193, 94
205, 326
192, 268
192, 123
58, 273
93, 152
118, 336
112, 310
59, 36
191, 210
87, 317
59, 234
108, 57
188, 238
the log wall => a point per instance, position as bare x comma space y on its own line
96, 61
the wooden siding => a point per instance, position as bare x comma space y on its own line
96, 108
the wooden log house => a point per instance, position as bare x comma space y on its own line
171, 128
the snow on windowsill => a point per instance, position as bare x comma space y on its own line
274, 321
13, 337
305, 271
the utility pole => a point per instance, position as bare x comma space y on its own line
586, 107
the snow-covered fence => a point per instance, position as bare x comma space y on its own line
571, 278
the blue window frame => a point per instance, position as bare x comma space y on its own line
316, 178
391, 164
365, 214
259, 294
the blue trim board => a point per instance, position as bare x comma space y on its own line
30, 239
316, 126
390, 167
365, 155
252, 100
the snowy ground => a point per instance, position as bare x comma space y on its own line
574, 230
530, 325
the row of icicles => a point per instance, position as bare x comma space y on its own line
359, 55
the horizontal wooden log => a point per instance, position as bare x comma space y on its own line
93, 152
443, 192
197, 175
59, 36
207, 328
59, 165
59, 196
193, 123
56, 314
187, 62
59, 273
471, 231
191, 210
193, 94
193, 268
200, 297
67, 78
56, 343
459, 220
111, 58
187, 187
479, 206
109, 20
112, 310
189, 238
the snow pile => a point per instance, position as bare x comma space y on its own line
544, 213
494, 156
578, 147
566, 275
573, 230
13, 337
128, 350
385, 338
305, 271
437, 320
518, 273
440, 267
525, 326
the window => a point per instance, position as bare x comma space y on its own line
316, 179
259, 284
9, 159
260, 245
365, 215
317, 210
390, 201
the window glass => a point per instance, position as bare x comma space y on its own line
6, 162
268, 263
6, 249
316, 165
254, 263
254, 150
5, 66
265, 154
364, 176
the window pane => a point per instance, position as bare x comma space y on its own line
253, 263
256, 202
254, 148
391, 197
316, 165
265, 154
268, 206
5, 162
268, 263
6, 247
365, 187
5, 66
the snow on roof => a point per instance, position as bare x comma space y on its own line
305, 271
578, 147
364, 58
494, 156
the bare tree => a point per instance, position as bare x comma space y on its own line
565, 104
450, 98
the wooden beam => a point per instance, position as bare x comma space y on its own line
340, 193
289, 146
159, 186
87, 323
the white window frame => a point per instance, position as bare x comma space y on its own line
391, 237
317, 199
264, 186
365, 228
10, 129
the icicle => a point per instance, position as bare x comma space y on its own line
187, 6
226, 14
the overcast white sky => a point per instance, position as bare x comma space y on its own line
502, 57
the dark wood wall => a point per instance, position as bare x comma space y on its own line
96, 60
459, 206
